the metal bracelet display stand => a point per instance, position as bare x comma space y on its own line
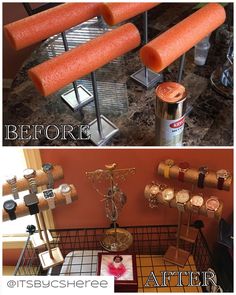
78, 96
223, 77
115, 239
145, 76
175, 254
51, 257
101, 129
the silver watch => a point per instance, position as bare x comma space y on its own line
49, 196
11, 180
47, 168
65, 190
30, 175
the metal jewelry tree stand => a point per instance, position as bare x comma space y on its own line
145, 76
115, 239
78, 96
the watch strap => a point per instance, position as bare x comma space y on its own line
181, 175
50, 180
166, 171
68, 198
220, 183
201, 178
33, 185
51, 203
180, 207
33, 209
210, 213
12, 214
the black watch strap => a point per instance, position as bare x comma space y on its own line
12, 214
200, 182
33, 209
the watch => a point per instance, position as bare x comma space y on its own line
10, 207
182, 198
11, 180
222, 175
168, 195
183, 167
212, 205
30, 175
154, 190
65, 190
47, 168
49, 196
196, 203
31, 201
168, 164
203, 171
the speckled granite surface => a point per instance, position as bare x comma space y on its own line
129, 106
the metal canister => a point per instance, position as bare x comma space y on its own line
170, 114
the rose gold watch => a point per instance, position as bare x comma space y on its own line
212, 205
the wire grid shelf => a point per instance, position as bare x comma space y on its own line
147, 240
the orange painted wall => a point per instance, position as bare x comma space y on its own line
88, 211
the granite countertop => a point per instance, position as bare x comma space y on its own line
127, 104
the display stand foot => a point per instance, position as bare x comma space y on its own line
176, 256
188, 234
47, 261
147, 78
108, 131
85, 97
38, 242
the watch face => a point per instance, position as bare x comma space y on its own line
65, 188
197, 201
184, 165
169, 162
47, 167
168, 194
10, 178
9, 205
212, 204
47, 194
154, 189
203, 170
222, 174
31, 199
182, 196
29, 172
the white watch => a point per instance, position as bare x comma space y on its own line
49, 196
65, 190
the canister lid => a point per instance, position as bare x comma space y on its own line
171, 92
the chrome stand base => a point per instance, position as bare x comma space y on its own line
149, 81
218, 86
108, 131
70, 98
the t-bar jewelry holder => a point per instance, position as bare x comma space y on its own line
52, 256
115, 238
175, 254
145, 76
78, 96
101, 129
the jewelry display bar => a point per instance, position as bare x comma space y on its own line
22, 210
41, 179
188, 207
191, 175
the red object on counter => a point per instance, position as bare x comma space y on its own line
114, 13
166, 48
38, 27
56, 73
